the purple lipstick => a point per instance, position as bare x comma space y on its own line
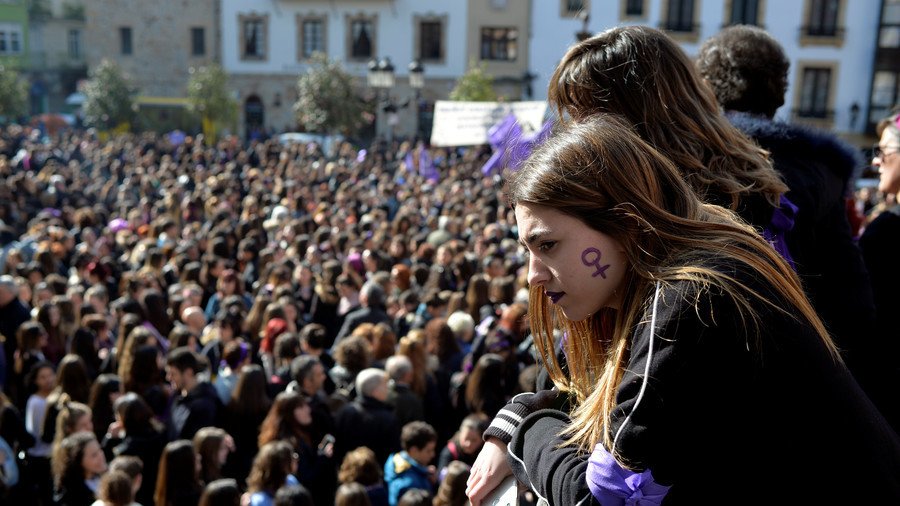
554, 296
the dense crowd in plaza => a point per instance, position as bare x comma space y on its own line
154, 291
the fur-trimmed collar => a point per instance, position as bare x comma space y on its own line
799, 140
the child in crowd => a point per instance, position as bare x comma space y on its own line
410, 469
465, 444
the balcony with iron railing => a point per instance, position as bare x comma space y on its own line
824, 35
815, 116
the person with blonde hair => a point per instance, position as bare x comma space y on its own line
696, 366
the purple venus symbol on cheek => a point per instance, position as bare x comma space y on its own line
591, 258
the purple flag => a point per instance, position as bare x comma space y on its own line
408, 160
500, 136
520, 149
427, 168
361, 156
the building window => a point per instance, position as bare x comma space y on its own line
571, 8
889, 35
885, 93
198, 41
815, 88
254, 37
312, 36
499, 44
680, 16
823, 18
744, 12
125, 40
431, 41
74, 43
362, 38
10, 38
634, 8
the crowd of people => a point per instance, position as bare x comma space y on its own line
217, 323
269, 310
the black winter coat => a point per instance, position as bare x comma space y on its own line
817, 168
728, 415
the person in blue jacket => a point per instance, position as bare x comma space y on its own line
697, 369
410, 468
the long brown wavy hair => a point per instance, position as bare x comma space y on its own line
600, 172
641, 74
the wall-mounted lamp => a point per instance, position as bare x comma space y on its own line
854, 115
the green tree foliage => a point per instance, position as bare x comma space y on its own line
108, 97
474, 86
327, 101
13, 94
210, 98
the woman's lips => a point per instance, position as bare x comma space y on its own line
555, 296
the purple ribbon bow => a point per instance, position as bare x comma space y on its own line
612, 484
782, 222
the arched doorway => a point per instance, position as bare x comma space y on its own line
254, 118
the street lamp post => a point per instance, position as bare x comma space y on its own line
416, 82
380, 76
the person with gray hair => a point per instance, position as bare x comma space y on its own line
372, 300
747, 69
12, 314
369, 420
407, 405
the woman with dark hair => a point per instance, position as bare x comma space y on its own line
672, 309
223, 492
247, 408
31, 337
212, 445
272, 469
137, 337
156, 312
177, 483
145, 379
48, 316
485, 386
78, 463
72, 384
290, 420
84, 344
135, 433
104, 392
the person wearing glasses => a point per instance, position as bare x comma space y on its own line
880, 243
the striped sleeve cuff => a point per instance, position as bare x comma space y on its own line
506, 422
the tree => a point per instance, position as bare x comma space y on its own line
13, 94
210, 98
108, 97
326, 99
474, 86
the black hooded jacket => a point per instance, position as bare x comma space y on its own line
817, 168
190, 413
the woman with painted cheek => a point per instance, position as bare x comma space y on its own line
879, 243
696, 366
